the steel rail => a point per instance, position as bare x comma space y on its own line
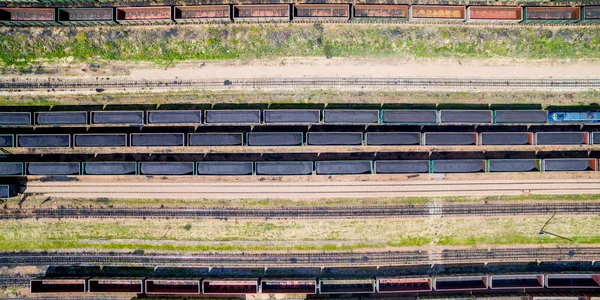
403, 211
332, 259
322, 82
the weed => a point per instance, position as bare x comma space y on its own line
162, 45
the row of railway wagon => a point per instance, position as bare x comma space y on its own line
283, 168
295, 117
383, 285
291, 139
296, 13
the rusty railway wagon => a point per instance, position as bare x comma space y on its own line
312, 286
297, 13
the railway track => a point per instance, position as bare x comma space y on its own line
308, 212
310, 190
332, 259
310, 83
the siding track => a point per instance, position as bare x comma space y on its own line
311, 83
332, 259
312, 190
308, 212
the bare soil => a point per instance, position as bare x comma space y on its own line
294, 67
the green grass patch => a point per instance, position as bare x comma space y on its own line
296, 235
165, 45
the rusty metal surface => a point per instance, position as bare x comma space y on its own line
438, 12
495, 13
143, 13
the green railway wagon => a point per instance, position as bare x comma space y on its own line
87, 16
551, 15
590, 14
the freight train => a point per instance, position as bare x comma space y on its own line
297, 13
288, 168
291, 139
295, 117
381, 285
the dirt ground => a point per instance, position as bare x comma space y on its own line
294, 67
195, 188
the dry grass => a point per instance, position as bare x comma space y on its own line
320, 98
39, 201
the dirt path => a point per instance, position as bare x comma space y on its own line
314, 190
373, 67
294, 67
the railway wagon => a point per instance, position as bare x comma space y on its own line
297, 116
381, 13
61, 118
262, 13
457, 166
7, 140
202, 14
494, 14
569, 165
7, 191
289, 286
321, 12
298, 139
437, 12
172, 286
517, 281
28, 16
580, 281
230, 286
284, 168
551, 15
355, 286
115, 285
58, 285
109, 168
10, 169
87, 16
513, 165
590, 14
460, 283
144, 15
225, 168
573, 117
404, 284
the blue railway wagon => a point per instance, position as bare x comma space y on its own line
7, 140
573, 117
15, 119
10, 169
